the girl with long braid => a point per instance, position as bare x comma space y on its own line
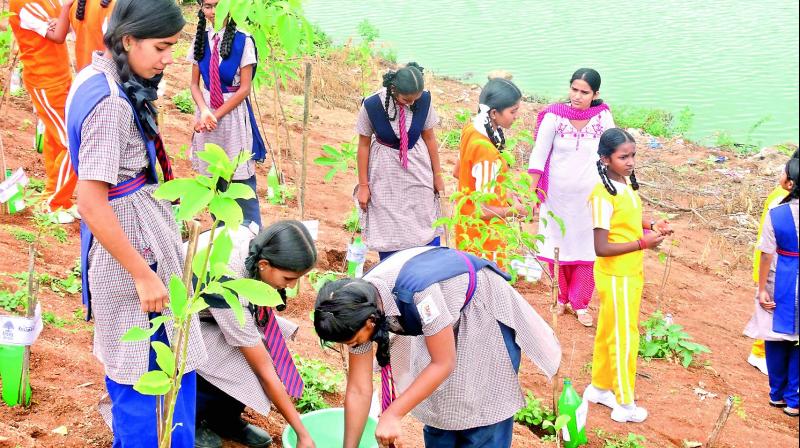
479, 163
225, 64
562, 165
250, 365
619, 241
458, 334
89, 21
130, 243
775, 319
399, 175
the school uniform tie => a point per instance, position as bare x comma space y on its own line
401, 125
281, 358
388, 394
215, 88
163, 159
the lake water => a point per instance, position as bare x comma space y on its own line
733, 63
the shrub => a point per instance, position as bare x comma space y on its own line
183, 101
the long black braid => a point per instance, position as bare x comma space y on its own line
609, 141
344, 306
80, 10
388, 82
495, 135
793, 174
200, 37
227, 39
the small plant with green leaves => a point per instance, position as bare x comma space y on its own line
611, 440
319, 379
738, 407
50, 318
318, 279
517, 242
22, 235
452, 138
183, 101
338, 160
540, 418
6, 37
663, 340
210, 266
14, 301
352, 224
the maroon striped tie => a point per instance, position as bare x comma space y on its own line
215, 88
388, 393
281, 358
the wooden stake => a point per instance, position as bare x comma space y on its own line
26, 357
306, 107
721, 420
554, 310
6, 91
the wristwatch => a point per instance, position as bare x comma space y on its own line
653, 225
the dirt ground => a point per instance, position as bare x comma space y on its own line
709, 289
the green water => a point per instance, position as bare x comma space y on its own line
733, 63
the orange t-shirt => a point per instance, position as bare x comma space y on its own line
479, 164
89, 31
45, 63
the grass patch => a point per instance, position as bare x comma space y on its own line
656, 122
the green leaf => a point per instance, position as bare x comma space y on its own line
235, 304
164, 357
218, 162
154, 382
135, 334
239, 191
288, 33
176, 188
198, 262
325, 161
193, 203
197, 305
220, 252
226, 210
177, 296
240, 10
221, 13
256, 292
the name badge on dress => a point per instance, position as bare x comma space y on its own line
428, 311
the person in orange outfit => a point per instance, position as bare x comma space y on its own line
40, 27
89, 20
480, 166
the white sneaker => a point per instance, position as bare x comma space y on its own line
600, 396
629, 413
74, 212
61, 217
758, 363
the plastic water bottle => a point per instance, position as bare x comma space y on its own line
273, 186
38, 140
570, 403
533, 270
356, 255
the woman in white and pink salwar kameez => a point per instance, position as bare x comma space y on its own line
563, 165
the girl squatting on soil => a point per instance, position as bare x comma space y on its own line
480, 165
440, 375
620, 241
562, 165
130, 244
250, 365
226, 62
775, 319
399, 175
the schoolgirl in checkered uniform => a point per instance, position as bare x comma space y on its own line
130, 244
224, 65
619, 241
250, 365
399, 174
459, 377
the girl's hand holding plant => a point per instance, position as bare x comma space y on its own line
651, 240
662, 226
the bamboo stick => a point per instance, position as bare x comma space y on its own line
303, 172
721, 420
26, 357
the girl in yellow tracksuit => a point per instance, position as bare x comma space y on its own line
619, 241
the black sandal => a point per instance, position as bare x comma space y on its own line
777, 404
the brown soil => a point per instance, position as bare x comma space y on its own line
709, 289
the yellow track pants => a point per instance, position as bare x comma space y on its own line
616, 343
